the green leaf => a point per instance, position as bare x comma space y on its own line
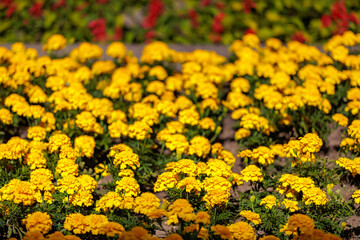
50, 17
4, 25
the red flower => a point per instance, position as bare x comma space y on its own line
338, 10
59, 4
217, 26
155, 9
205, 3
98, 29
193, 18
149, 35
248, 5
6, 3
299, 36
81, 6
118, 33
250, 31
11, 9
326, 21
353, 18
36, 10
220, 5
215, 38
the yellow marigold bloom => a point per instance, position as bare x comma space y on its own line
38, 221
42, 180
136, 233
242, 133
242, 231
177, 142
202, 217
315, 195
118, 148
216, 148
207, 123
180, 208
48, 121
146, 203
67, 167
216, 197
58, 140
58, 235
190, 184
139, 130
237, 99
159, 72
218, 168
184, 103
116, 50
200, 146
157, 213
109, 201
116, 115
5, 116
173, 236
175, 127
68, 184
126, 173
36, 133
280, 79
251, 216
103, 67
30, 235
16, 148
55, 42
166, 181
356, 196
269, 201
291, 205
184, 166
86, 51
18, 192
310, 143
66, 151
189, 116
18, 47
126, 159
227, 157
263, 155
111, 229
240, 85
298, 222
212, 104
156, 87
118, 129
94, 223
251, 173
127, 186
354, 129
221, 231
35, 159
86, 121
85, 145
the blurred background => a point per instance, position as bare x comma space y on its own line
185, 22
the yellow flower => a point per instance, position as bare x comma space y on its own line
251, 173
166, 181
76, 222
251, 216
356, 196
190, 184
5, 116
111, 229
180, 208
55, 42
269, 201
116, 50
128, 186
38, 221
298, 222
242, 231
146, 203
222, 231
291, 205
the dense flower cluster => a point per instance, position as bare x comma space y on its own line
117, 147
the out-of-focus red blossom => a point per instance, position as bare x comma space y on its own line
217, 26
193, 18
326, 21
150, 35
205, 3
118, 33
11, 9
250, 31
102, 1
338, 10
98, 29
220, 5
353, 18
298, 36
59, 4
215, 38
81, 6
248, 5
155, 9
6, 3
36, 9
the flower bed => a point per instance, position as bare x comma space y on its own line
210, 21
132, 149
